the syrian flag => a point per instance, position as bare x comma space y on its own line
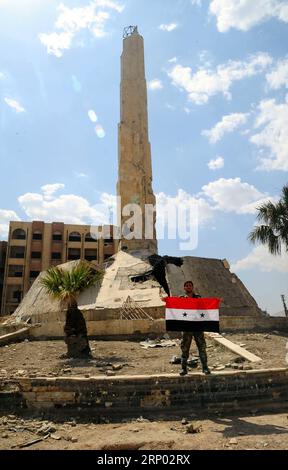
192, 314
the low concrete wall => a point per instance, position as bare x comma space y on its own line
134, 395
254, 324
104, 329
93, 315
110, 328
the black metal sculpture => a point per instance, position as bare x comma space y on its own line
129, 30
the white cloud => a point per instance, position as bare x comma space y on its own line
49, 189
6, 216
228, 123
260, 258
221, 195
67, 208
184, 199
204, 83
173, 60
279, 76
110, 200
168, 27
244, 14
226, 195
2, 76
155, 84
77, 87
80, 174
233, 195
56, 43
196, 2
206, 59
245, 132
100, 131
273, 119
92, 17
216, 164
15, 105
92, 115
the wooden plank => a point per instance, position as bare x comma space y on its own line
14, 336
233, 347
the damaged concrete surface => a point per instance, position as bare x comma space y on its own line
146, 279
213, 278
101, 300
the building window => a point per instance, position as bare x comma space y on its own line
74, 237
17, 296
91, 255
37, 236
74, 253
15, 271
108, 241
36, 254
17, 252
34, 274
19, 234
56, 255
57, 237
89, 238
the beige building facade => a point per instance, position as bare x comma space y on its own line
3, 250
35, 246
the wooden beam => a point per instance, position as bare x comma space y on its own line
233, 347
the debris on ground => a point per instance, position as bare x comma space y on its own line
235, 431
193, 428
175, 360
162, 343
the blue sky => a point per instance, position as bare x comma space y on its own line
217, 74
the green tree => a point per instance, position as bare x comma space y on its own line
66, 285
274, 228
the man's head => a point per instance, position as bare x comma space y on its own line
188, 287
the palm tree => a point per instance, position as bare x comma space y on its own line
66, 285
274, 231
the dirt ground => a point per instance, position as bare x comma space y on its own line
263, 432
28, 430
43, 358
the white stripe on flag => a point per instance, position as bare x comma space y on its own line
192, 315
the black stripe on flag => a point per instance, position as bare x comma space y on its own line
180, 325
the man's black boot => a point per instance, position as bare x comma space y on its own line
206, 369
204, 362
184, 370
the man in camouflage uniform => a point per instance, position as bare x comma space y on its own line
187, 337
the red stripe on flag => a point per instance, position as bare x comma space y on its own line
193, 304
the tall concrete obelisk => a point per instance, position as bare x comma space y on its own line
135, 170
